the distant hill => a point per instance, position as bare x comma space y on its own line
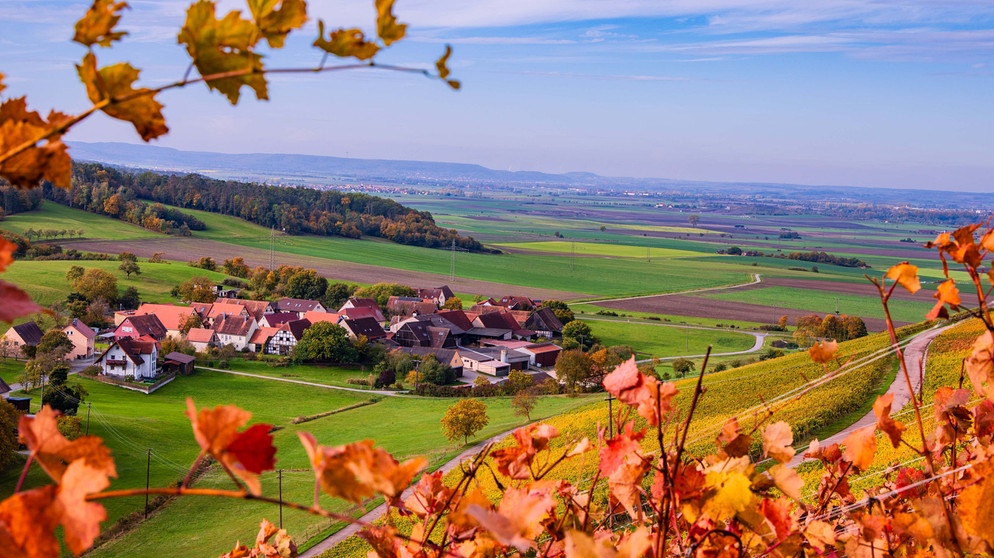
315, 170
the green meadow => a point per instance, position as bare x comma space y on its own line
58, 217
864, 306
665, 340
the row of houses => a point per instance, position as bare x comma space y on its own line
29, 334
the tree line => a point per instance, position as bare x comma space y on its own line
108, 191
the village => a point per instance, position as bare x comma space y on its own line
488, 340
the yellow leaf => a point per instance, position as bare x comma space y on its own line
977, 509
906, 275
820, 535
115, 83
97, 25
224, 47
986, 241
777, 440
386, 24
861, 445
787, 480
442, 63
276, 23
345, 43
980, 365
727, 488
824, 351
582, 545
2, 86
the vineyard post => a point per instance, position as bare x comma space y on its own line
279, 475
148, 470
87, 419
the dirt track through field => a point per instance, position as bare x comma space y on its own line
187, 249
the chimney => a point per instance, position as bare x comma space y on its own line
503, 355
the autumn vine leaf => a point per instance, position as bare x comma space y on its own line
777, 440
54, 452
644, 392
861, 445
114, 83
824, 351
906, 275
245, 454
945, 294
281, 546
276, 18
442, 65
345, 43
224, 46
980, 365
518, 519
49, 161
97, 25
386, 24
886, 424
358, 471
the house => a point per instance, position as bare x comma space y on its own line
543, 354
483, 362
137, 326
82, 338
417, 333
438, 295
315, 317
130, 358
286, 337
369, 304
402, 305
458, 318
27, 334
516, 302
276, 319
445, 356
256, 308
178, 363
173, 318
201, 338
260, 339
545, 323
234, 330
222, 310
299, 306
368, 327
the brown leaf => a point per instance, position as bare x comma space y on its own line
906, 275
46, 162
16, 303
97, 25
893, 429
980, 365
823, 352
625, 483
861, 445
787, 480
224, 46
275, 23
983, 420
777, 440
114, 83
2, 86
30, 519
443, 69
80, 519
386, 24
345, 43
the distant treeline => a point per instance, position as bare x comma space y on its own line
815, 257
109, 191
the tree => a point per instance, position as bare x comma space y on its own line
306, 284
127, 257
74, 274
454, 303
325, 342
8, 437
579, 332
683, 366
560, 309
464, 419
434, 372
782, 323
481, 381
693, 219
197, 289
59, 394
129, 299
96, 283
129, 267
156, 257
524, 403
336, 294
236, 267
518, 381
385, 375
573, 368
205, 262
54, 343
96, 313
190, 321
381, 292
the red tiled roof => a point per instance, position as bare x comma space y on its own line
200, 335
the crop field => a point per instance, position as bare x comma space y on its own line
664, 340
867, 306
599, 249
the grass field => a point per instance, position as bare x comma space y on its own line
46, 282
599, 249
58, 217
326, 375
131, 423
657, 340
863, 306
10, 369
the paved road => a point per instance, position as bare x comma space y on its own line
914, 357
75, 366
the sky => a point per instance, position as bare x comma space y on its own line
889, 93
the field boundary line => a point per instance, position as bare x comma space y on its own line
303, 382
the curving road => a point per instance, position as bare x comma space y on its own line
914, 358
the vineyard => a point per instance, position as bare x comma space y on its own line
839, 391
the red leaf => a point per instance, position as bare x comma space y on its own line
254, 448
16, 303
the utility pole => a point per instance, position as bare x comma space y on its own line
87, 419
280, 477
148, 470
610, 416
572, 254
452, 262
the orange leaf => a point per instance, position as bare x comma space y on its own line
820, 535
54, 452
16, 303
358, 471
581, 545
518, 519
777, 512
976, 509
47, 162
443, 69
275, 23
613, 451
980, 365
215, 429
29, 519
429, 495
97, 25
861, 445
823, 352
947, 293
115, 83
6, 253
81, 519
893, 429
254, 448
225, 45
386, 24
2, 86
515, 462
787, 480
345, 43
625, 482
986, 241
243, 453
777, 440
634, 388
906, 275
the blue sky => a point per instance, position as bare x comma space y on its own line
894, 93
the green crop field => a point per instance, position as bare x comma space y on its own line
54, 216
598, 249
325, 375
46, 282
658, 340
863, 306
